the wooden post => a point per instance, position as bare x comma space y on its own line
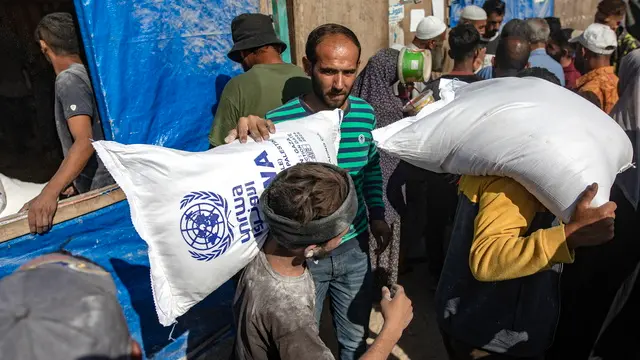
281, 22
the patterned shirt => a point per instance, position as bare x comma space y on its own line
600, 86
626, 44
357, 154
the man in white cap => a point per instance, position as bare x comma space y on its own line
599, 84
430, 33
476, 16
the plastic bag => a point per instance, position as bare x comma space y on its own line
15, 193
550, 140
198, 211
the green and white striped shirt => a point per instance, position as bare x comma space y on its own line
357, 154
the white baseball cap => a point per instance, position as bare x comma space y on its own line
598, 38
429, 28
473, 12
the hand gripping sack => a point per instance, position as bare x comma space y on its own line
198, 212
550, 140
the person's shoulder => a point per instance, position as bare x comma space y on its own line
292, 107
474, 186
72, 75
360, 103
361, 111
241, 79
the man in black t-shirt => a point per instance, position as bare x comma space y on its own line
465, 44
430, 195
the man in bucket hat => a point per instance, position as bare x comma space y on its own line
61, 307
267, 83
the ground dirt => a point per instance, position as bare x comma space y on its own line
421, 340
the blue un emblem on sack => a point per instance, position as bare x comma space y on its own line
205, 224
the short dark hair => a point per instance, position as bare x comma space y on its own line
554, 23
464, 40
515, 28
512, 54
322, 31
308, 191
59, 32
612, 7
494, 6
541, 73
562, 40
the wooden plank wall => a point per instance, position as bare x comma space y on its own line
575, 14
368, 19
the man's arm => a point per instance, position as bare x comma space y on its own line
44, 206
499, 250
227, 114
303, 341
373, 193
397, 313
373, 184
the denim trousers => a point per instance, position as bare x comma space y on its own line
348, 280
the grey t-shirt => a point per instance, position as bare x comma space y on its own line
74, 96
274, 315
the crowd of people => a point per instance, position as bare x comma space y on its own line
496, 256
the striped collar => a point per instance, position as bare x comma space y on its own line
310, 111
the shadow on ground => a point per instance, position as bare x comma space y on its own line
421, 340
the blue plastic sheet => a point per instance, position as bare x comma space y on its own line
515, 9
108, 238
159, 66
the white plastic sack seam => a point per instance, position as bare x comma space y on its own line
550, 140
198, 212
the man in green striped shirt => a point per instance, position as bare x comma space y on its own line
332, 60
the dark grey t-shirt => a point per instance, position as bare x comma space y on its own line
274, 315
74, 96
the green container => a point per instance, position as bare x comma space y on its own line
414, 65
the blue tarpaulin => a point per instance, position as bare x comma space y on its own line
158, 68
108, 238
515, 9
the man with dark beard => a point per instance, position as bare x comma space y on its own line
309, 208
332, 60
495, 10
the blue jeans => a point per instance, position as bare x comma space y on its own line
348, 279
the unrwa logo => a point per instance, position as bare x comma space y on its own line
205, 225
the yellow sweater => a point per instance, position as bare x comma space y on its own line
500, 251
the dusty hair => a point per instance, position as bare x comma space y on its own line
308, 192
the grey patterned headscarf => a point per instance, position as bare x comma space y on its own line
290, 233
627, 114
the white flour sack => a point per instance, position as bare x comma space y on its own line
198, 212
550, 140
